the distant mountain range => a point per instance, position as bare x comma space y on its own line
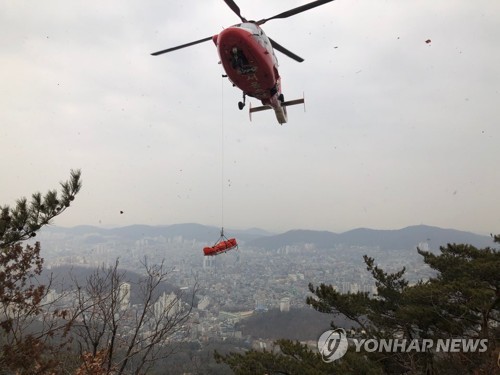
189, 231
406, 238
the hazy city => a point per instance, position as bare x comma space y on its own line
247, 283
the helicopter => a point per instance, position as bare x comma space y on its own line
248, 59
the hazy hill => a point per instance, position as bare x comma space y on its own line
406, 238
188, 231
296, 324
321, 239
66, 277
412, 236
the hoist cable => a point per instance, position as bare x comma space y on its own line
222, 156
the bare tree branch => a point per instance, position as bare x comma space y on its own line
133, 337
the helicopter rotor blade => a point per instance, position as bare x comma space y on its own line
235, 8
181, 46
295, 11
284, 51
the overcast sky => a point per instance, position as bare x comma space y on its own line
396, 131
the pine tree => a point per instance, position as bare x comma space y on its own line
461, 301
25, 219
293, 358
20, 294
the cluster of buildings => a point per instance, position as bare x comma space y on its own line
234, 286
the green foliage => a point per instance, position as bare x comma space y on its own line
369, 313
288, 358
468, 284
293, 358
25, 219
461, 301
328, 300
25, 331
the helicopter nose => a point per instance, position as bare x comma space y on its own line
215, 38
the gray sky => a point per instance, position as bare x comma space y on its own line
396, 131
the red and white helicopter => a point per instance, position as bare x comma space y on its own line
247, 56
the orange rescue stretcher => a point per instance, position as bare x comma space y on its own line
220, 247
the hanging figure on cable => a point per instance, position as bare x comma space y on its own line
222, 245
